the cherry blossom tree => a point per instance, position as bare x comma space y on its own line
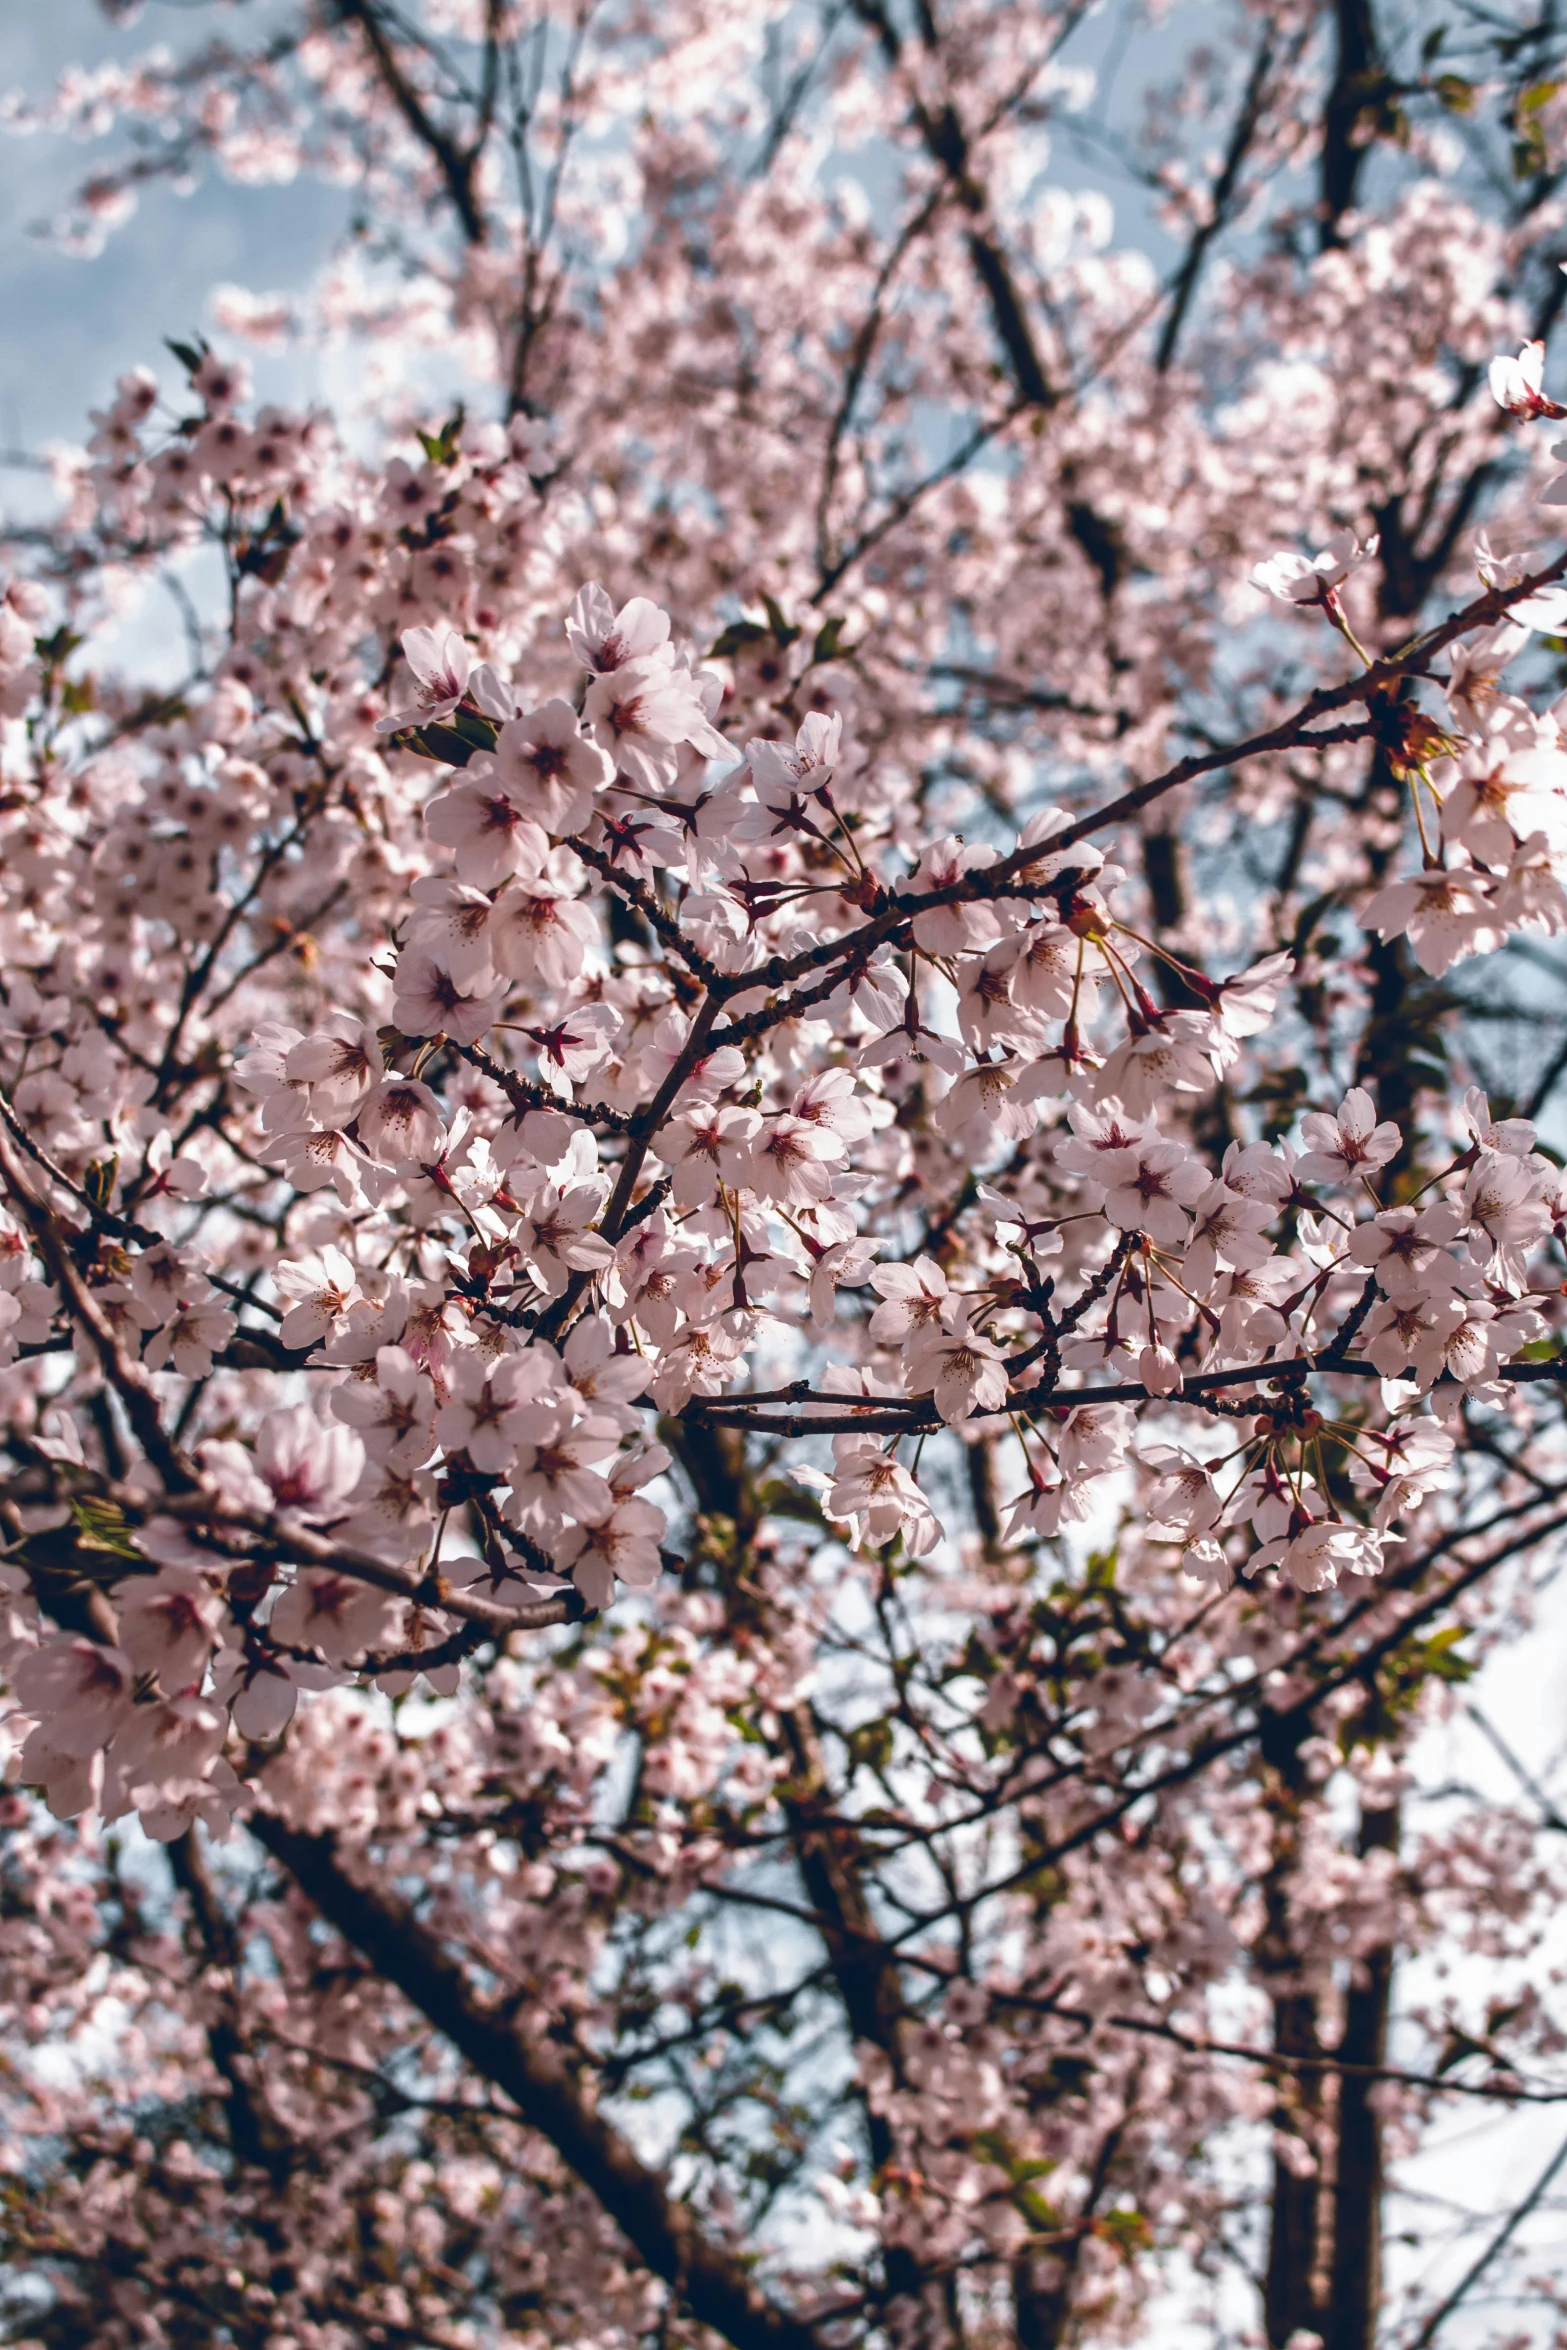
782, 1282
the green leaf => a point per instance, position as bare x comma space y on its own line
441, 447
475, 728
58, 647
1127, 2230
1039, 2214
1539, 95
871, 1744
1310, 915
779, 1499
1457, 95
736, 637
98, 1180
783, 633
1441, 1656
100, 1525
1431, 45
189, 355
442, 743
1101, 1570
829, 638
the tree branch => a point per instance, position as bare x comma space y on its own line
455, 164
1220, 201
707, 2279
1499, 2242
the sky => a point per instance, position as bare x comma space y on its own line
74, 324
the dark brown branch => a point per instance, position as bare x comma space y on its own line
1355, 2282
456, 164
254, 2133
885, 1416
708, 2280
1359, 84
1274, 2060
1499, 2242
946, 142
1220, 201
130, 1380
832, 1863
1355, 1668
1289, 2279
290, 1542
525, 1094
636, 893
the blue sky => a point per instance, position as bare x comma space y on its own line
73, 325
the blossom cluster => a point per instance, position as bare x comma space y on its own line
624, 1102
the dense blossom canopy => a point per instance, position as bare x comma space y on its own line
773, 1307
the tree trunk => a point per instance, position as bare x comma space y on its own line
1357, 81
1289, 2282
1355, 2289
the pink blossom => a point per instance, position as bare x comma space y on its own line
79, 1692
641, 713
557, 1238
874, 1494
336, 1615
555, 1473
1405, 1245
1185, 1498
168, 1623
1447, 914
440, 662
1514, 1136
1515, 384
401, 1123
1307, 579
190, 1341
604, 640
321, 1290
1227, 1232
310, 1466
549, 770
803, 772
1347, 1145
623, 1547
541, 934
1152, 1195
394, 1411
963, 1371
493, 1405
1104, 1142
706, 1145
791, 1160
487, 832
913, 1294
958, 928
338, 1066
